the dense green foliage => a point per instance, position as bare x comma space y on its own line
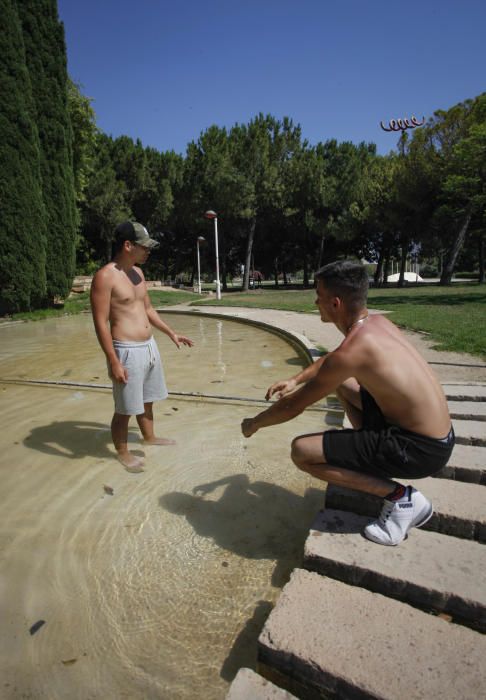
46, 62
284, 207
38, 214
22, 214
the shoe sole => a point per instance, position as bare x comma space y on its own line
424, 520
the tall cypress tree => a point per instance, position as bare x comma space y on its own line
46, 61
22, 213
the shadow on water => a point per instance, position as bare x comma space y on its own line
73, 440
254, 520
243, 653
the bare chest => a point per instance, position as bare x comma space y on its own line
128, 289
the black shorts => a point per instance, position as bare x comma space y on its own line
384, 450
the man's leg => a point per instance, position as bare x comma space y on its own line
308, 454
146, 424
119, 434
349, 395
403, 508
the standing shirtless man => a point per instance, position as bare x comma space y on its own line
401, 423
123, 316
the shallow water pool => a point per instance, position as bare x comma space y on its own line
160, 588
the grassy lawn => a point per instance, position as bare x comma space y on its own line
79, 303
455, 317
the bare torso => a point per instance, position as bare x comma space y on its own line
396, 375
128, 317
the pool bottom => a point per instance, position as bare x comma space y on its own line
161, 589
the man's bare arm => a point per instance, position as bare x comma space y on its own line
329, 376
157, 322
100, 308
286, 386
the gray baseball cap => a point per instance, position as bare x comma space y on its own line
136, 233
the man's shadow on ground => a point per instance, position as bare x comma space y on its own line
255, 520
75, 440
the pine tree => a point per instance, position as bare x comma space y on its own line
22, 213
45, 51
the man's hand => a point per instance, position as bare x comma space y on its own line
182, 340
281, 388
248, 427
118, 372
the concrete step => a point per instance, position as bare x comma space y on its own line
465, 392
429, 570
467, 463
329, 639
470, 432
459, 508
468, 410
248, 685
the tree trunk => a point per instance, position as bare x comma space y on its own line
305, 261
450, 263
481, 258
321, 252
386, 268
275, 271
249, 248
403, 264
379, 268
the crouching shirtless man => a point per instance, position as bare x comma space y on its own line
123, 316
401, 423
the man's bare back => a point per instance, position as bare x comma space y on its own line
397, 376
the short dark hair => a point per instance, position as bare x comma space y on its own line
347, 280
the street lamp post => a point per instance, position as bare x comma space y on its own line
210, 214
200, 239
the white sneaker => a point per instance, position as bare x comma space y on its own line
398, 517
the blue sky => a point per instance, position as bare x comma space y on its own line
163, 71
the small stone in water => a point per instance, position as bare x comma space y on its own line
36, 626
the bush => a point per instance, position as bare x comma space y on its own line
428, 271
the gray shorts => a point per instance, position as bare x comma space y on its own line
146, 382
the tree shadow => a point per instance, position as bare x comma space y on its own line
74, 440
449, 299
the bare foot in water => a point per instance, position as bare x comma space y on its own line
132, 464
158, 441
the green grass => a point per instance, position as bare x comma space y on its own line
79, 303
75, 305
167, 298
455, 317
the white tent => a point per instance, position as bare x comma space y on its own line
408, 276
